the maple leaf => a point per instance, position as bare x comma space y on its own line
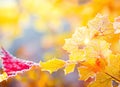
79, 33
95, 65
52, 65
85, 73
97, 48
91, 67
12, 65
101, 25
96, 55
75, 45
83, 41
69, 68
113, 69
113, 40
102, 80
96, 51
77, 41
77, 55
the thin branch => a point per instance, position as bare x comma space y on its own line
112, 77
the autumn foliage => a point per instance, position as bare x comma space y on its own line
93, 49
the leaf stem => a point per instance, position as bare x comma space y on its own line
112, 77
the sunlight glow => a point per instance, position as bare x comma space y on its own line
86, 41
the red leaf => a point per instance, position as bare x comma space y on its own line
13, 65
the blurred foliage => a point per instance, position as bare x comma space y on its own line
54, 19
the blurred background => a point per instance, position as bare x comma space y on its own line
35, 30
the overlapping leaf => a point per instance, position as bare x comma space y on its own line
52, 65
102, 80
69, 68
96, 50
113, 68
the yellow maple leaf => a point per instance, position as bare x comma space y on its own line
69, 68
102, 80
77, 55
52, 65
77, 41
90, 67
113, 69
85, 73
83, 42
79, 33
101, 24
95, 64
113, 40
3, 76
98, 49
